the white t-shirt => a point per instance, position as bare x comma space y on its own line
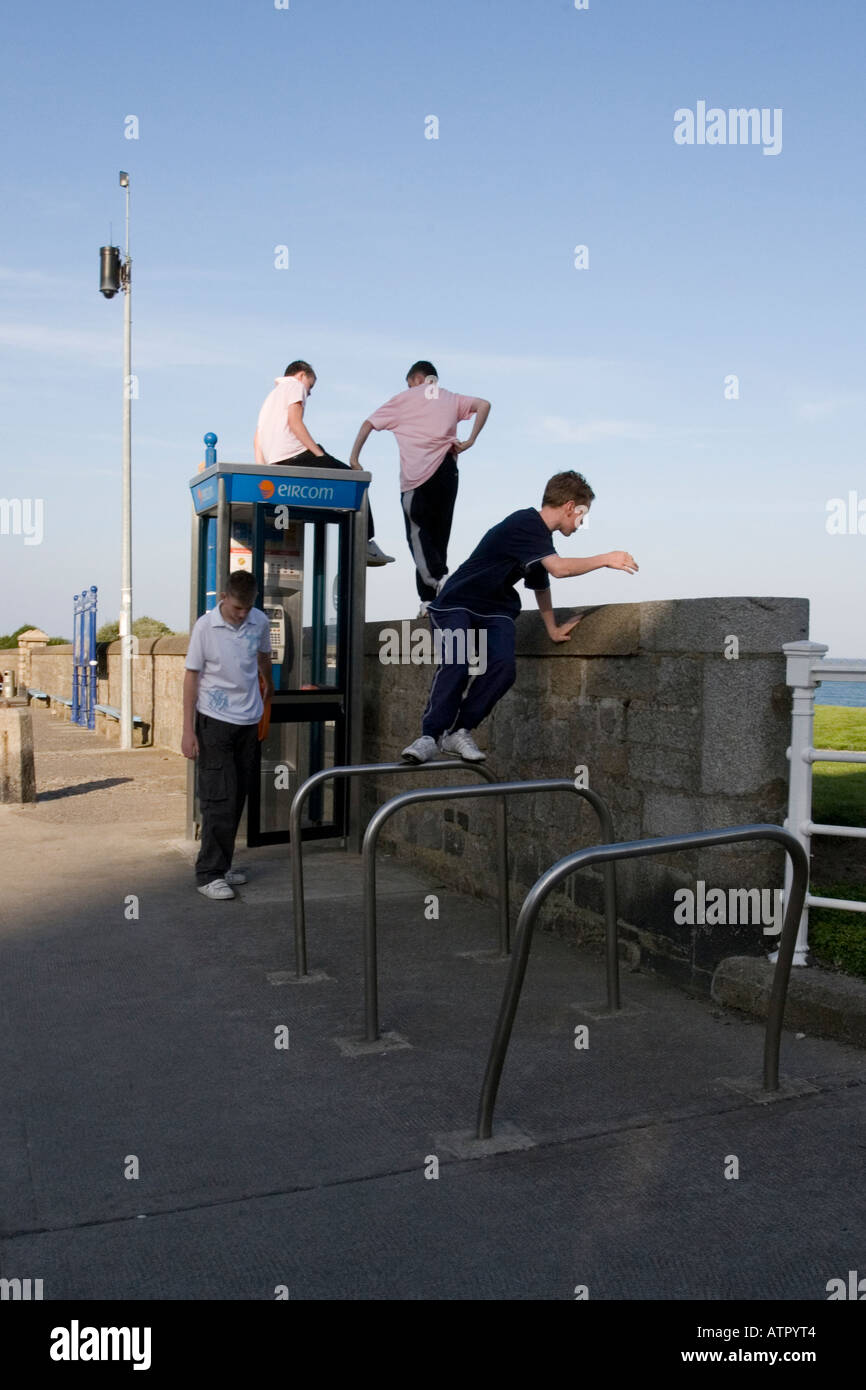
276, 440
226, 658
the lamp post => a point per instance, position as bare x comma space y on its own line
116, 275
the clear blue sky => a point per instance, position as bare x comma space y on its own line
305, 127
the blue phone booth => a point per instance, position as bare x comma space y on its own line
303, 533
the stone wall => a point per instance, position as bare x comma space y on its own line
674, 733
17, 769
51, 670
157, 684
675, 736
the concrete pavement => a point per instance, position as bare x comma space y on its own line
179, 1121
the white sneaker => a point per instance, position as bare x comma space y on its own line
235, 877
217, 889
375, 556
423, 750
463, 744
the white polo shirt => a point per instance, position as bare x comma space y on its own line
226, 658
276, 440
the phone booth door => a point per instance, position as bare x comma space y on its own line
303, 573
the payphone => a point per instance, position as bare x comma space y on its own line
302, 532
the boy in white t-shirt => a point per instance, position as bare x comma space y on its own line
229, 647
424, 421
282, 437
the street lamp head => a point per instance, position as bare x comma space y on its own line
124, 179
109, 270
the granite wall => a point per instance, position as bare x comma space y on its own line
680, 713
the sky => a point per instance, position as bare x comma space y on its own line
703, 368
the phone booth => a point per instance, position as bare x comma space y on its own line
303, 533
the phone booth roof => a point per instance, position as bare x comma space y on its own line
329, 488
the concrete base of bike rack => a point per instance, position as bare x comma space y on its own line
750, 1086
463, 1143
597, 1010
288, 977
359, 1047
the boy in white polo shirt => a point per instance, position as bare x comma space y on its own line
222, 705
282, 438
424, 421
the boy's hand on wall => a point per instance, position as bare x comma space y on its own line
564, 630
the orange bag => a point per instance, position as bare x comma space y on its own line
265, 721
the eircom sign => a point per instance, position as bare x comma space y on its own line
344, 493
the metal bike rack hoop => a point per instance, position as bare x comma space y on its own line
356, 770
502, 790
635, 849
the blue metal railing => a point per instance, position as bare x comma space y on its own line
84, 658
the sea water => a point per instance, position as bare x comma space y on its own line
841, 693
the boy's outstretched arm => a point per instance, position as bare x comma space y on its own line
556, 632
561, 568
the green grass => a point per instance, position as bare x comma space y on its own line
838, 938
839, 789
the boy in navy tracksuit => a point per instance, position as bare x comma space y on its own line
475, 612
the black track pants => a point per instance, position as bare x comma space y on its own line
427, 512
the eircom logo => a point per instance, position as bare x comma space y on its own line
302, 492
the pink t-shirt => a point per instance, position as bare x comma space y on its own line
276, 440
424, 420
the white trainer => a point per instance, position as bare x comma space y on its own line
217, 889
423, 750
463, 744
235, 877
376, 556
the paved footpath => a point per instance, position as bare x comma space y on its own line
180, 1121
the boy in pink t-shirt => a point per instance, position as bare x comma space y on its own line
424, 420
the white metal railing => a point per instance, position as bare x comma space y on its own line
807, 666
